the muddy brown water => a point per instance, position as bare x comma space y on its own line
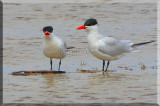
133, 79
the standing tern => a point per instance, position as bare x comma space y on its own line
54, 47
107, 48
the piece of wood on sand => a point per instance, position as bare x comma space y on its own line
26, 73
91, 71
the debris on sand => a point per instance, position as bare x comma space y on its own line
143, 67
120, 67
127, 69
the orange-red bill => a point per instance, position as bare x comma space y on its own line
81, 27
47, 33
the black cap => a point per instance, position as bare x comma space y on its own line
90, 22
48, 28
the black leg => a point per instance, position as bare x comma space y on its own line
103, 65
107, 66
59, 65
51, 63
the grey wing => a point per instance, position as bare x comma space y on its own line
114, 47
65, 45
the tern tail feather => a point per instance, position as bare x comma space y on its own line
71, 47
140, 45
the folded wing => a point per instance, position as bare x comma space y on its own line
114, 47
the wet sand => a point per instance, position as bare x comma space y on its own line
133, 78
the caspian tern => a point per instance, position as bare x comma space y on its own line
107, 48
54, 47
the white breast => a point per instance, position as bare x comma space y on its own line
54, 47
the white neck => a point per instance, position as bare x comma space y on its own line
93, 34
50, 37
92, 29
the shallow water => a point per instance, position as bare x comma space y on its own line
129, 82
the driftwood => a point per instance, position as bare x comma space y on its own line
26, 73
